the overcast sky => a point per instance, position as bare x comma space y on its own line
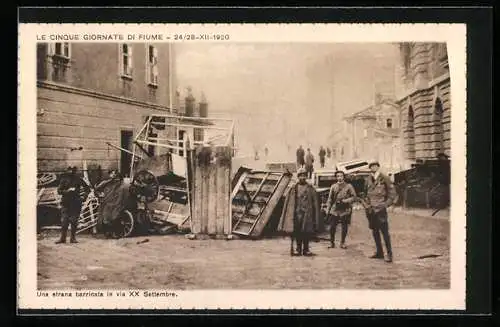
284, 91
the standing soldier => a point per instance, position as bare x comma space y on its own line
380, 194
340, 199
300, 157
322, 154
309, 163
301, 215
71, 204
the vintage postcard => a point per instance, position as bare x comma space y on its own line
245, 166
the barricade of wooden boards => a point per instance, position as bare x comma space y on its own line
210, 174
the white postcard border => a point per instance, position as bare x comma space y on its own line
454, 298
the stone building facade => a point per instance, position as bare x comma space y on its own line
90, 95
372, 134
423, 92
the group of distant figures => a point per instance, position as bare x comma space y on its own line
306, 159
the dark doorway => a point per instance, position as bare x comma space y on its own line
125, 158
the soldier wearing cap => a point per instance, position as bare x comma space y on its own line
380, 194
71, 204
301, 214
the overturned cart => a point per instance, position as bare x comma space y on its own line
180, 174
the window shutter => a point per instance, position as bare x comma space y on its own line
51, 49
65, 49
130, 59
69, 50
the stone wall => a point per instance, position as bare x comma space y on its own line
96, 66
425, 100
70, 118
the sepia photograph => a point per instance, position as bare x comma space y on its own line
167, 166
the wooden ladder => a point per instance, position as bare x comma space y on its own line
242, 225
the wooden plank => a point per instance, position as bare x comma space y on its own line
205, 198
267, 187
238, 184
197, 203
221, 215
212, 196
190, 183
225, 196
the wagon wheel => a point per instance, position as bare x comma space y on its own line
145, 186
123, 225
44, 179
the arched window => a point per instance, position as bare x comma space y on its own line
410, 134
388, 123
438, 125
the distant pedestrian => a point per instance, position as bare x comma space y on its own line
71, 204
380, 194
322, 154
339, 207
266, 151
300, 157
328, 153
309, 165
301, 215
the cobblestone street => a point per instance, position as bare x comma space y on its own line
178, 263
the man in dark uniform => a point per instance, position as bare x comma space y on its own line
309, 165
71, 204
322, 154
339, 206
301, 215
300, 157
380, 194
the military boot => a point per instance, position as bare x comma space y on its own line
73, 233
62, 239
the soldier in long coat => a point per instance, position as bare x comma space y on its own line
380, 194
114, 195
301, 214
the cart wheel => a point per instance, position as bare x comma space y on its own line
124, 225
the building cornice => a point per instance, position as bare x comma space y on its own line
426, 86
99, 95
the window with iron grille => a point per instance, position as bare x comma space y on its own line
152, 65
126, 60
